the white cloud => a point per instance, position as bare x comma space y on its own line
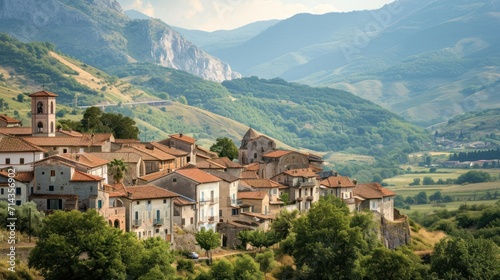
145, 8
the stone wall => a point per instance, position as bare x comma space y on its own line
394, 234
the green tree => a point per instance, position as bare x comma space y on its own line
208, 240
428, 181
75, 245
222, 270
282, 225
421, 198
122, 127
20, 97
385, 264
326, 247
466, 258
117, 169
260, 238
245, 268
436, 197
266, 261
225, 147
474, 177
91, 120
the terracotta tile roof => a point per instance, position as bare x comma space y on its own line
372, 190
148, 154
129, 157
118, 190
337, 182
18, 130
205, 152
263, 183
85, 159
54, 196
208, 164
85, 140
70, 133
172, 151
252, 195
276, 153
182, 201
148, 192
43, 93
126, 141
226, 162
16, 144
153, 176
260, 216
84, 177
197, 175
304, 172
21, 176
249, 175
8, 119
184, 138
252, 167
223, 175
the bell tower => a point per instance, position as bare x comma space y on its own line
43, 113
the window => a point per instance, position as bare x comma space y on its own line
7, 161
51, 127
99, 204
52, 173
39, 108
62, 188
138, 202
39, 127
149, 201
1, 191
18, 191
183, 221
174, 180
21, 161
254, 155
54, 204
234, 212
157, 230
18, 202
52, 107
65, 151
164, 201
191, 221
51, 188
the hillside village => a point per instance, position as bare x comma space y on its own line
173, 182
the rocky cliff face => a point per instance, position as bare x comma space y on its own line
97, 32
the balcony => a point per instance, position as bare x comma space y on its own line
300, 198
310, 198
307, 184
236, 202
136, 223
210, 201
158, 222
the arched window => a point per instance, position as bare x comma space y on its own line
254, 155
40, 127
117, 223
39, 108
51, 127
52, 107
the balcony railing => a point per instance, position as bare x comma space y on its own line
210, 200
136, 223
236, 202
158, 222
310, 198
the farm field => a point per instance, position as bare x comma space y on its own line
431, 207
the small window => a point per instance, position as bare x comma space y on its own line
7, 161
99, 204
234, 212
51, 188
65, 151
149, 201
18, 202
164, 201
52, 173
18, 191
62, 188
254, 155
174, 180
21, 161
1, 191
138, 202
157, 230
183, 221
191, 220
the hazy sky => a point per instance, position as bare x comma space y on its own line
212, 15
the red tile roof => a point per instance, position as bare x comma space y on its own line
252, 167
86, 159
184, 138
118, 190
148, 154
17, 130
70, 133
263, 183
304, 172
84, 177
276, 153
148, 192
153, 176
16, 144
127, 157
85, 140
226, 162
43, 93
181, 201
208, 164
168, 150
8, 119
197, 175
21, 176
252, 195
372, 190
249, 175
337, 182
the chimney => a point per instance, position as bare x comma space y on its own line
77, 157
180, 135
355, 181
129, 194
335, 174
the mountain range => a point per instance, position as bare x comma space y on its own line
425, 60
99, 33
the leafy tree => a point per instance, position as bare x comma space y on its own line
282, 225
416, 182
428, 181
260, 238
117, 168
208, 240
421, 198
245, 268
123, 127
20, 97
222, 270
225, 147
385, 264
91, 120
75, 245
266, 261
474, 177
22, 215
466, 258
437, 197
244, 236
326, 247
377, 178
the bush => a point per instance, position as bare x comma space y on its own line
185, 265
